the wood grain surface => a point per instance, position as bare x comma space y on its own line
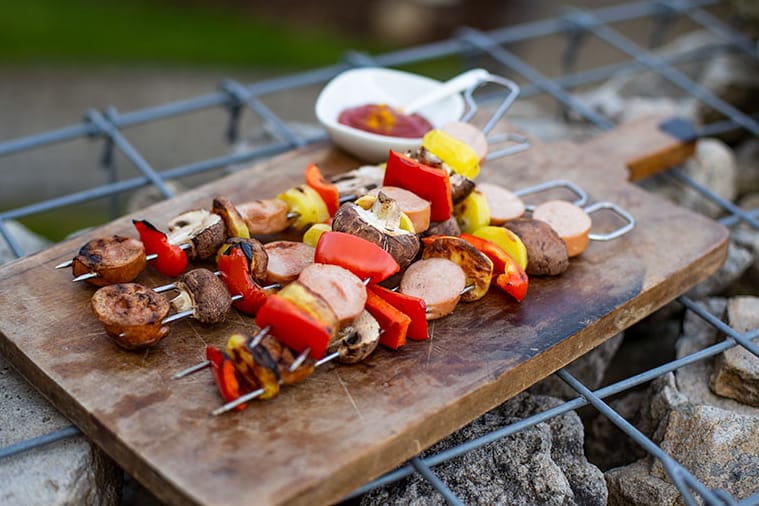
345, 425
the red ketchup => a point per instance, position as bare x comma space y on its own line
384, 120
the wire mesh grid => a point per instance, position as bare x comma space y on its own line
574, 26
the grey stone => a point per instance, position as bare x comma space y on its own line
70, 471
738, 261
590, 369
747, 167
543, 464
747, 237
634, 485
719, 447
734, 78
736, 370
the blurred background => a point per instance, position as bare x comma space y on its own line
59, 59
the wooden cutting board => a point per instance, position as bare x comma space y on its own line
345, 425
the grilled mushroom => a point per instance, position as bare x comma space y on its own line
203, 292
359, 181
203, 230
477, 267
380, 225
358, 340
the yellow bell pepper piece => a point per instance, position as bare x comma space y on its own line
507, 240
458, 155
314, 232
473, 212
309, 205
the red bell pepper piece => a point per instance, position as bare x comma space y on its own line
293, 327
428, 182
393, 322
234, 266
326, 190
413, 307
507, 274
225, 375
363, 258
171, 260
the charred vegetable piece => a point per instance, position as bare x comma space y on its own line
429, 183
171, 260
313, 304
284, 360
379, 225
447, 227
116, 259
233, 220
203, 292
366, 259
225, 375
461, 187
458, 155
201, 229
358, 340
326, 190
255, 251
393, 322
267, 216
507, 273
477, 267
256, 365
473, 212
132, 314
234, 265
293, 326
412, 306
309, 205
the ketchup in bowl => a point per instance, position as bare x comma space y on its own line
384, 120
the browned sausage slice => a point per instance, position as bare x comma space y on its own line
267, 216
571, 222
131, 313
546, 252
415, 207
117, 259
287, 259
438, 282
342, 289
503, 204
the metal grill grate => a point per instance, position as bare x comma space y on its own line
468, 44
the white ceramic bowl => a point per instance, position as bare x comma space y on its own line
379, 86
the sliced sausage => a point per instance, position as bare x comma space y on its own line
117, 259
415, 207
267, 216
342, 289
503, 204
571, 222
438, 282
287, 259
478, 268
546, 252
468, 134
131, 313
